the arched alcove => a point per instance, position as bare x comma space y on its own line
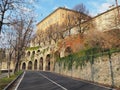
33, 53
68, 51
41, 63
35, 64
30, 65
28, 53
48, 62
57, 54
24, 66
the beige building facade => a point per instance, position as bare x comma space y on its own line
42, 56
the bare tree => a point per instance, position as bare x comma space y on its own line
52, 33
9, 8
2, 56
61, 30
104, 40
81, 8
48, 35
10, 50
41, 37
55, 32
81, 18
23, 28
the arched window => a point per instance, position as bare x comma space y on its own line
68, 51
35, 65
28, 53
24, 66
38, 51
41, 63
30, 65
33, 53
48, 62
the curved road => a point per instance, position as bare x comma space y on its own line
39, 80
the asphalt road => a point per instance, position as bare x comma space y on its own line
38, 80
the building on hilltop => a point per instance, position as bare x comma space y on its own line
50, 30
108, 20
58, 35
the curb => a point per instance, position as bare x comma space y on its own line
12, 82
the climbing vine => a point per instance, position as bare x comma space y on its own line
32, 57
33, 48
80, 58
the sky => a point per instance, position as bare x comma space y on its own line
45, 7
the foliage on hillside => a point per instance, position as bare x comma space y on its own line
94, 44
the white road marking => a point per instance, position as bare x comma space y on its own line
90, 83
53, 82
20, 81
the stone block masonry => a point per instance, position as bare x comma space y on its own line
99, 72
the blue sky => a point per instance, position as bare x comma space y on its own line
45, 7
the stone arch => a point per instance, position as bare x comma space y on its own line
24, 66
68, 50
28, 53
38, 51
35, 64
23, 54
41, 63
30, 65
33, 53
57, 54
47, 67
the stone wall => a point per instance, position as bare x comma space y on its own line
99, 72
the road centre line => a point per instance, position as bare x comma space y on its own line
90, 83
53, 82
20, 80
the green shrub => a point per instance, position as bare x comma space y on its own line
5, 81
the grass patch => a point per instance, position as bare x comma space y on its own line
5, 81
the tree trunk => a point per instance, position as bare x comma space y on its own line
17, 62
9, 59
8, 69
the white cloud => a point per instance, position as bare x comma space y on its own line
55, 7
102, 7
31, 1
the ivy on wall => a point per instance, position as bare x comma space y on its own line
80, 58
32, 57
33, 48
